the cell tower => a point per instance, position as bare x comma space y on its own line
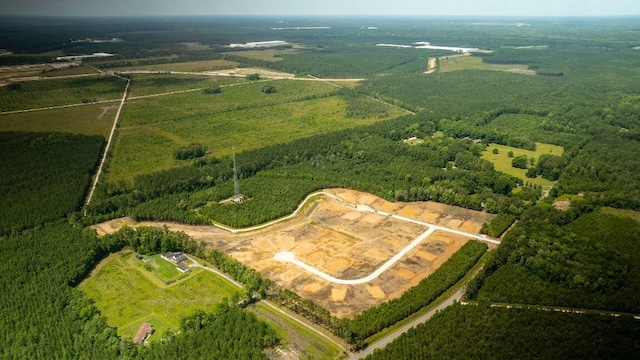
237, 197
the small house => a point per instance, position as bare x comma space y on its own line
143, 333
182, 268
174, 257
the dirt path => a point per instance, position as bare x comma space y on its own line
432, 66
302, 322
106, 149
58, 107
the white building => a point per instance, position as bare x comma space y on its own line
259, 44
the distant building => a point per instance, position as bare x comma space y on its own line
80, 57
174, 257
259, 44
143, 333
182, 268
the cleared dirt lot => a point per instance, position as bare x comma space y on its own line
335, 238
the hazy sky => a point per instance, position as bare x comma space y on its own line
322, 7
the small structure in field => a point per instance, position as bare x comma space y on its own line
143, 333
182, 268
174, 257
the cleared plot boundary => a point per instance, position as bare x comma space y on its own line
286, 256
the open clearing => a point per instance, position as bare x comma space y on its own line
129, 292
337, 239
502, 162
90, 119
456, 63
203, 65
271, 55
151, 128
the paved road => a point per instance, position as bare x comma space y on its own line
396, 334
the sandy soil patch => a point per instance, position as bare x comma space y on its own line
376, 292
313, 288
409, 211
562, 205
378, 254
405, 273
336, 265
470, 227
425, 255
454, 224
244, 256
338, 294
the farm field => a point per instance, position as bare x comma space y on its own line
44, 93
502, 161
457, 63
152, 128
89, 119
128, 294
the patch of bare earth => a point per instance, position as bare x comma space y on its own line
562, 205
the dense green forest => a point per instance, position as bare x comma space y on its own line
579, 258
44, 176
478, 332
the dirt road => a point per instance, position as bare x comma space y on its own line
106, 149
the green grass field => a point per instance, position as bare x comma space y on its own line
502, 162
149, 84
91, 119
44, 93
196, 66
298, 339
240, 116
635, 215
78, 70
456, 63
271, 55
127, 294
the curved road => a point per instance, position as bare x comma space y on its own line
396, 334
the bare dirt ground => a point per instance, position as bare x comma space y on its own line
345, 243
432, 66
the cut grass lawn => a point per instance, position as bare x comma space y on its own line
456, 63
44, 93
240, 116
93, 119
502, 162
127, 294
